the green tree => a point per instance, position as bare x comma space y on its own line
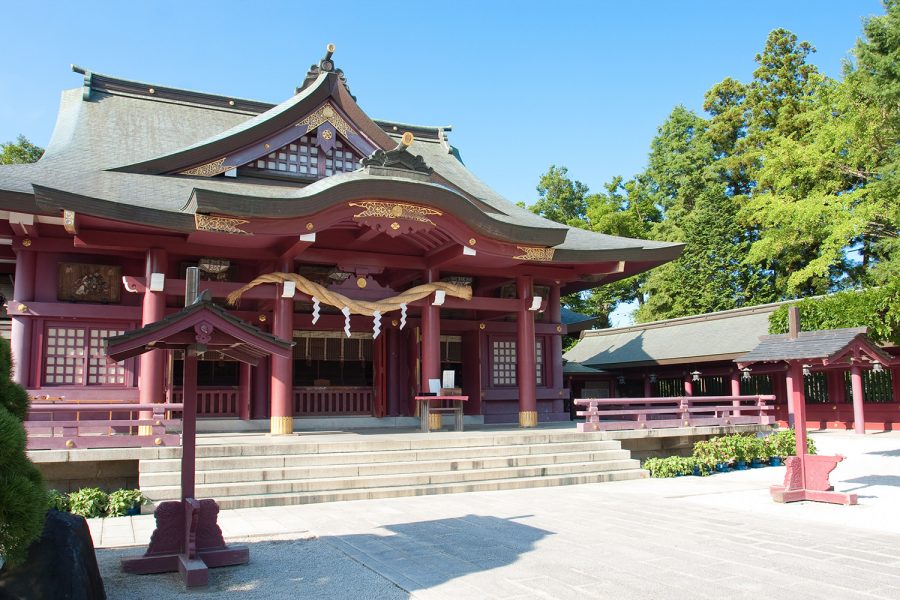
561, 198
23, 501
19, 152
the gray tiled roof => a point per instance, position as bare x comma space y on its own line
712, 336
808, 344
118, 126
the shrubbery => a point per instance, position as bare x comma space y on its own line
23, 501
94, 502
726, 450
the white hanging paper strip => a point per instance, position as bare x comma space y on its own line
315, 312
346, 311
403, 315
376, 324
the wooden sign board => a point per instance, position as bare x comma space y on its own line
77, 282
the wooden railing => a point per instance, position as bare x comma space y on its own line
332, 401
213, 402
63, 425
604, 414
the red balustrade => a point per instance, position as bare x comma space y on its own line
604, 414
213, 402
332, 401
64, 425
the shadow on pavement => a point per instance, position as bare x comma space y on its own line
870, 480
425, 554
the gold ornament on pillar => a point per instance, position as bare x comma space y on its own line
281, 425
528, 418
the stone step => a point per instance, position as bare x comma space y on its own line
285, 499
248, 473
273, 446
334, 484
297, 459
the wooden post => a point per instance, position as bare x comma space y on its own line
554, 313
189, 425
736, 390
431, 336
895, 384
648, 387
688, 385
789, 393
22, 327
799, 400
153, 363
526, 371
856, 386
281, 421
244, 391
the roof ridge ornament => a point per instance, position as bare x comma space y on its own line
399, 158
326, 65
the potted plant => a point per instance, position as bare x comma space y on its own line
756, 451
125, 503
88, 502
770, 449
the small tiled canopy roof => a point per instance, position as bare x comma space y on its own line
830, 345
201, 324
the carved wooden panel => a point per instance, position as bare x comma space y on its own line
78, 282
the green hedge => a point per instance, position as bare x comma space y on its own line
875, 308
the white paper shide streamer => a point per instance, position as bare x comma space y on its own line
403, 315
315, 312
376, 324
346, 311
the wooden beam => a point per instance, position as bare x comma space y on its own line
174, 244
293, 249
23, 224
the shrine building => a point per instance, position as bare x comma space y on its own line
368, 243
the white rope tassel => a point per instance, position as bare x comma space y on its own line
376, 324
315, 313
346, 311
402, 315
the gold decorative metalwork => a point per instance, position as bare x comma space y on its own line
309, 226
528, 418
361, 282
472, 241
69, 222
281, 425
325, 113
559, 329
395, 225
26, 242
262, 318
219, 224
395, 210
407, 139
481, 326
326, 135
70, 444
535, 253
209, 169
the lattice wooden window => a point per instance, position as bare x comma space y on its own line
504, 361
77, 356
304, 159
877, 387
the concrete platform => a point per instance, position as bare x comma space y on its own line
685, 538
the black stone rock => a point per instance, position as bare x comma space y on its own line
61, 564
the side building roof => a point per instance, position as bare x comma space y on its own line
722, 335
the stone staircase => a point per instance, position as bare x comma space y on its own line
300, 472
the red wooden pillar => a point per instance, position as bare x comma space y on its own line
554, 309
789, 393
471, 349
736, 383
152, 374
188, 424
244, 391
648, 387
526, 370
259, 402
281, 421
795, 392
431, 337
856, 386
22, 327
895, 384
688, 385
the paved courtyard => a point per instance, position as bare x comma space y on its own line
685, 538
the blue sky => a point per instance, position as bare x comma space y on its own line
524, 84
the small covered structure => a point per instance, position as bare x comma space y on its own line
187, 537
824, 350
